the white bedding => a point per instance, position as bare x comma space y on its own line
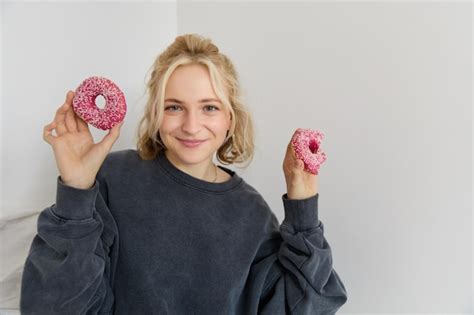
16, 235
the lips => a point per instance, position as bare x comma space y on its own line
191, 141
191, 144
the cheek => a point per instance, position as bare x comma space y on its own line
219, 126
168, 124
222, 122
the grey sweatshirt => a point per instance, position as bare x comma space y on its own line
148, 238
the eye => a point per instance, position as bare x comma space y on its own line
212, 106
172, 106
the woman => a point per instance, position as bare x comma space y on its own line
162, 229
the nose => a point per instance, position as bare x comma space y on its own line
191, 123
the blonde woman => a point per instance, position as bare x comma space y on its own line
162, 229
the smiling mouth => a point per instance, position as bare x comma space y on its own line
191, 141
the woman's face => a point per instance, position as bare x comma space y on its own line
192, 111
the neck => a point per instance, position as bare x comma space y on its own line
206, 170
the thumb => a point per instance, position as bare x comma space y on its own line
112, 136
300, 164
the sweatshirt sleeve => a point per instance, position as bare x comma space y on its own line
296, 264
71, 262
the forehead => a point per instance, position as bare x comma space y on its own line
190, 83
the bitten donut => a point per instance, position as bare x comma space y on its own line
85, 107
307, 146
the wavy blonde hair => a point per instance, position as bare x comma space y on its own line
187, 49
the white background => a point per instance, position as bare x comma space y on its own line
389, 84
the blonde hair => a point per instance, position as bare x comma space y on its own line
187, 49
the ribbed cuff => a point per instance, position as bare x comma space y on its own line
301, 214
75, 203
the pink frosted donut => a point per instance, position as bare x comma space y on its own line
307, 146
85, 107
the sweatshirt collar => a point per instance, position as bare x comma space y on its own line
187, 180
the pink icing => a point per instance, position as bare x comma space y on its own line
307, 146
85, 107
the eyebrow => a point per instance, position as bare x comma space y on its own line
201, 101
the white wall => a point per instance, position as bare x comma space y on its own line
388, 83
49, 48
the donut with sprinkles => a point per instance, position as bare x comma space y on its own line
85, 107
307, 146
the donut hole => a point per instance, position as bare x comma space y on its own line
313, 146
100, 101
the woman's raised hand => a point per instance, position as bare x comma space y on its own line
299, 183
78, 158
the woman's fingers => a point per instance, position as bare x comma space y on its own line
290, 149
48, 132
60, 120
60, 117
70, 115
112, 136
81, 124
291, 162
